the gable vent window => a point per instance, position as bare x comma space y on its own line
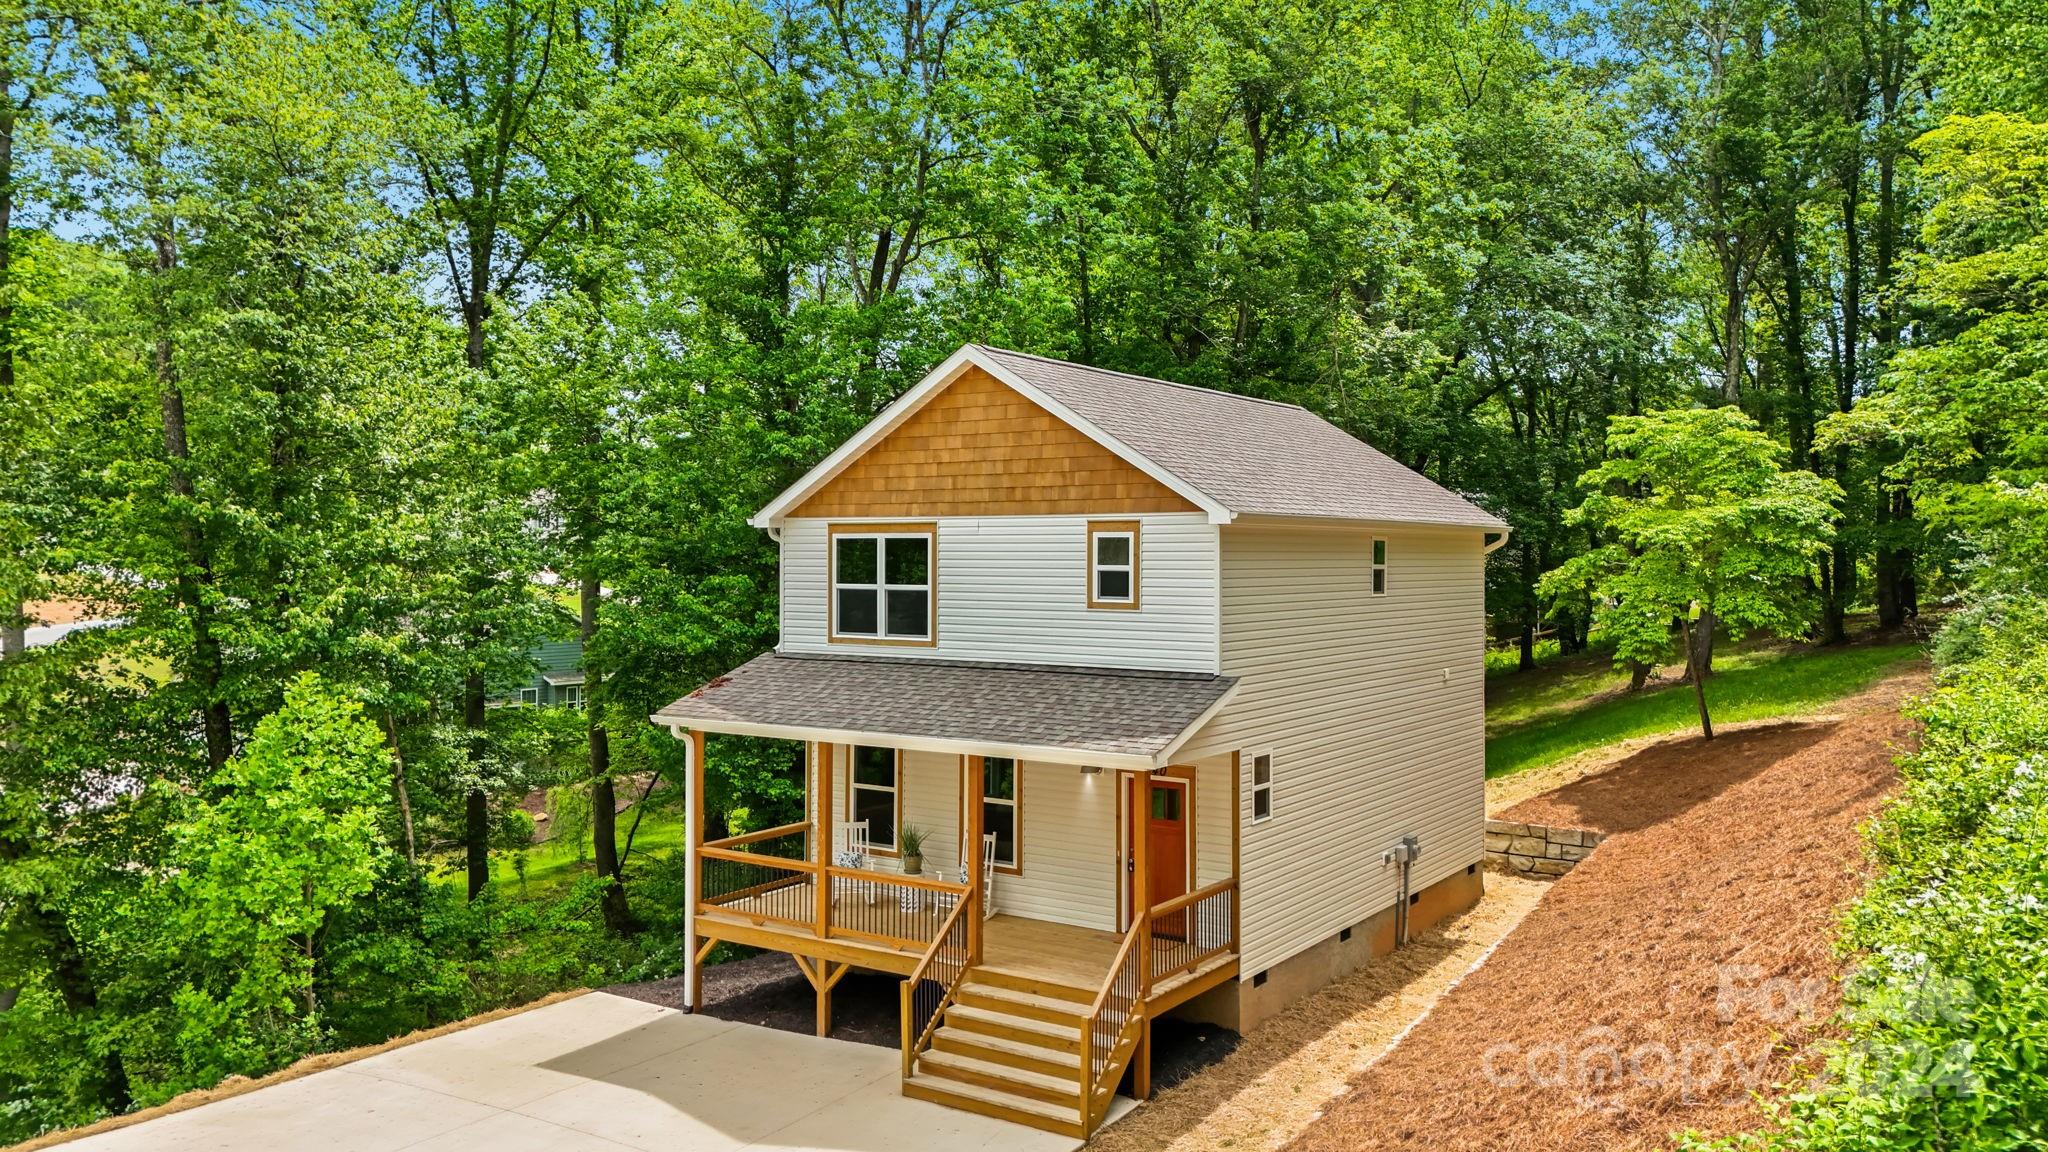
882, 586
1379, 566
1113, 564
1262, 787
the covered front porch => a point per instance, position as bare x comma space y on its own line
1071, 887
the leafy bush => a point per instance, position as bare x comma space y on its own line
1945, 1015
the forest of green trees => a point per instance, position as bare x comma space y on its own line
349, 349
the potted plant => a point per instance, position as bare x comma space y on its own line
910, 842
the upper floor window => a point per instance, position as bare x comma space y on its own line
1000, 813
1379, 566
1113, 564
882, 585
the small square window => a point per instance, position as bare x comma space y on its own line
529, 696
1113, 564
1262, 787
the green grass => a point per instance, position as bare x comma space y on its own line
1561, 712
553, 865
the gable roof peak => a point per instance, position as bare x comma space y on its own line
1226, 453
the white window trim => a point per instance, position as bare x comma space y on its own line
1253, 787
1096, 568
881, 588
1377, 568
570, 690
528, 697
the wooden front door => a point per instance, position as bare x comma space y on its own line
1163, 809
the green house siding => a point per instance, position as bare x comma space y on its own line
553, 658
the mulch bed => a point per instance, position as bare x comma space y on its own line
767, 990
1681, 966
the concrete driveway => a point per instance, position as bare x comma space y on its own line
598, 1073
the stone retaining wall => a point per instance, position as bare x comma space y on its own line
1536, 849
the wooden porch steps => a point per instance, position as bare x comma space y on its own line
1009, 1047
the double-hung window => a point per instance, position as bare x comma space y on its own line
1113, 564
569, 695
1262, 787
882, 585
1379, 566
1001, 815
876, 798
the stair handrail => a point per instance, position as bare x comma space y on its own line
954, 924
1122, 993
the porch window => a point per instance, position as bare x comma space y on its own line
1379, 566
882, 586
1262, 787
569, 695
1113, 564
876, 796
1001, 815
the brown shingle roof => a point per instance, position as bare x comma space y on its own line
1254, 457
1076, 713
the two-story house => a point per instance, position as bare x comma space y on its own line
1185, 687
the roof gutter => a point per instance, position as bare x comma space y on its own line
1493, 544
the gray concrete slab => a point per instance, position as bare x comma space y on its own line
598, 1073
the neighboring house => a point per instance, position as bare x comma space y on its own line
1197, 672
556, 677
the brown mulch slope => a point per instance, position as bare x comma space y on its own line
1678, 968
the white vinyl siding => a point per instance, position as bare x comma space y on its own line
1373, 708
1069, 841
1015, 588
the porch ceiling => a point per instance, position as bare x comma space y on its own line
1113, 717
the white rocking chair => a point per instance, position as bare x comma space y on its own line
852, 852
988, 873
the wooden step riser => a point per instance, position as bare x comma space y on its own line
988, 1108
1063, 1043
1068, 1096
964, 1045
996, 978
976, 998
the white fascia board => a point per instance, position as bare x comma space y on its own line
907, 404
1167, 754
1036, 753
1218, 514
892, 416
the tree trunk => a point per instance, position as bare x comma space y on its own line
1699, 646
1841, 586
476, 836
399, 788
13, 623
1699, 683
604, 817
1638, 674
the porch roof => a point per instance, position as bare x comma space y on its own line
1112, 717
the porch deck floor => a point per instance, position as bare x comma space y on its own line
1058, 953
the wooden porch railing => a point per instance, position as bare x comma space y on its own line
933, 983
768, 877
1109, 1036
1189, 931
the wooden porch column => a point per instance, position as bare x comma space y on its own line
693, 976
821, 852
972, 785
1141, 907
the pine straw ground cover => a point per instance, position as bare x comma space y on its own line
1681, 967
1280, 1077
